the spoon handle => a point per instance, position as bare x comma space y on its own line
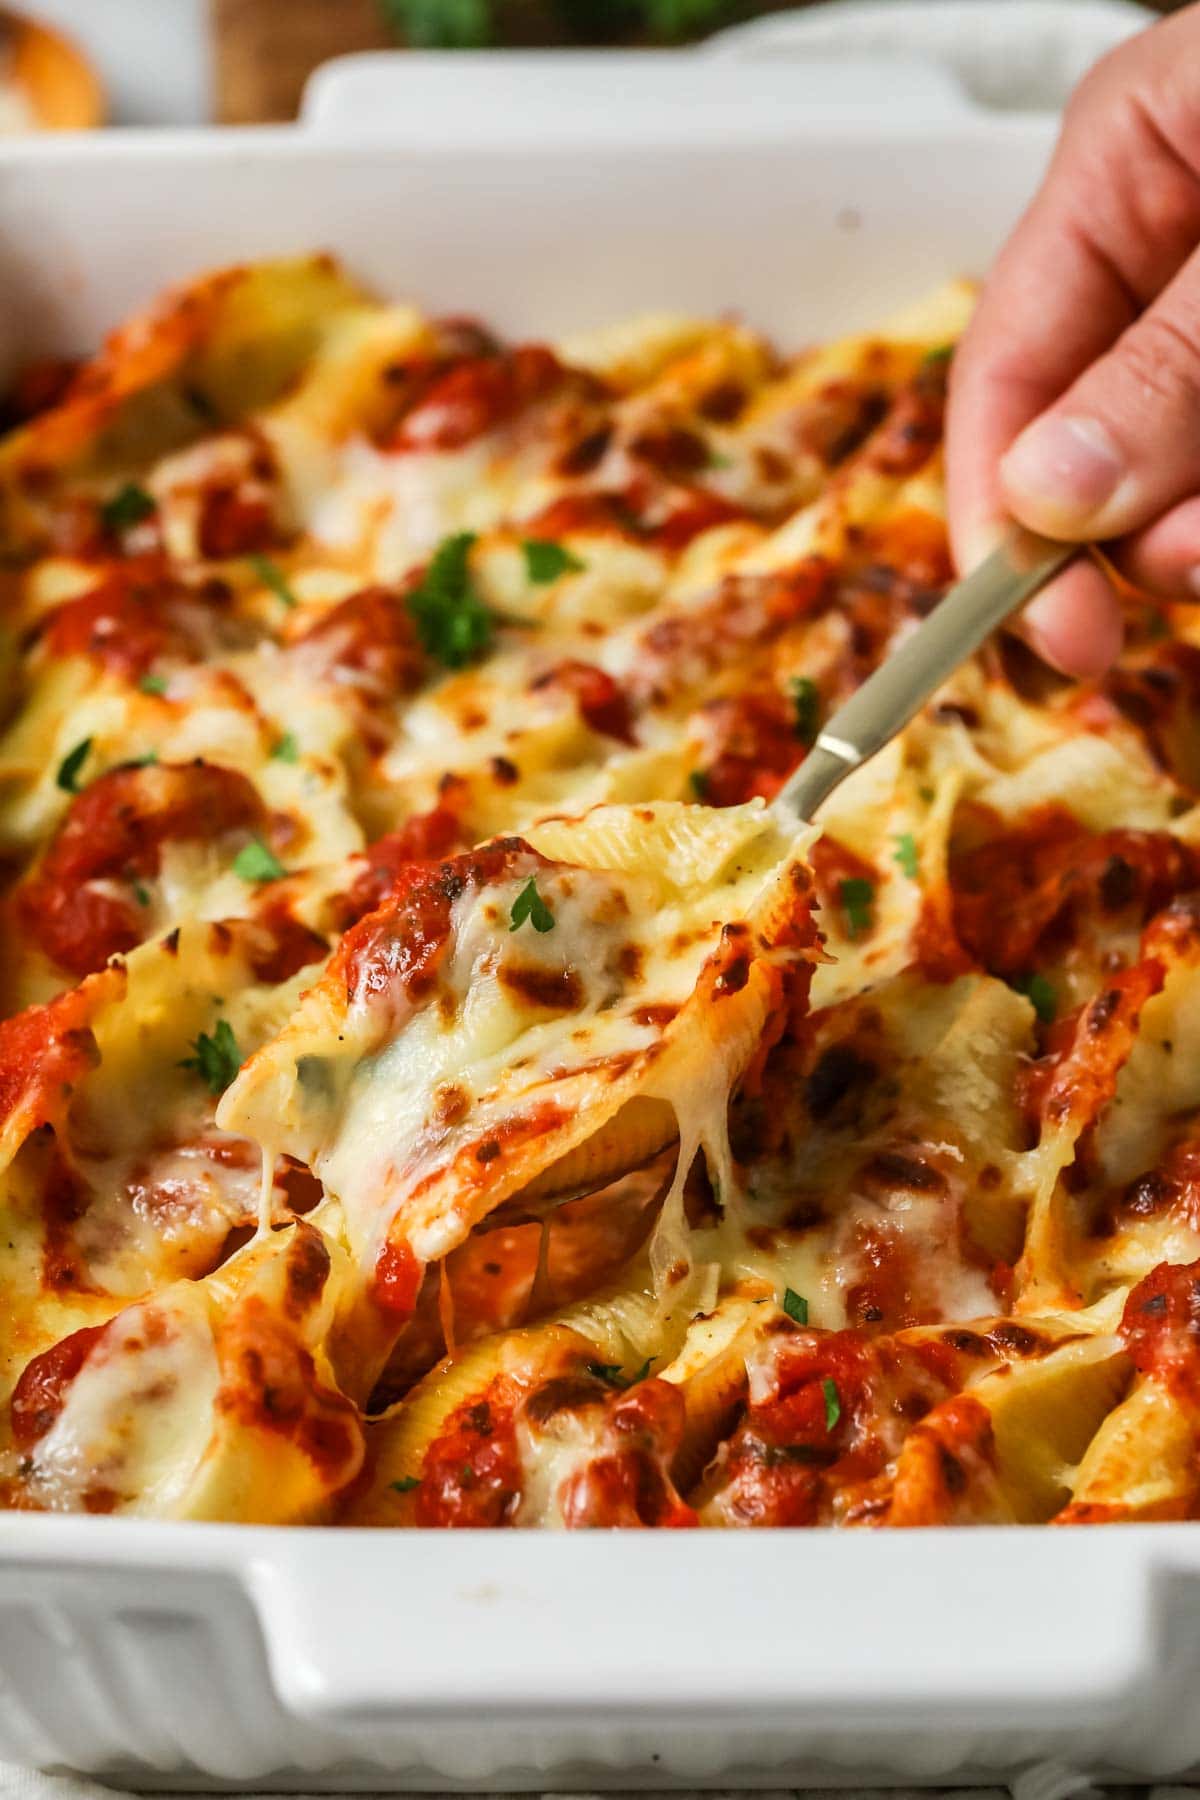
902, 684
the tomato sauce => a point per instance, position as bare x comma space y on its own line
750, 746
471, 1472
1086, 1052
402, 942
126, 624
397, 1279
1161, 1327
426, 837
115, 831
627, 1484
44, 1051
602, 705
1025, 892
269, 1383
477, 394
836, 1414
370, 635
41, 1392
234, 521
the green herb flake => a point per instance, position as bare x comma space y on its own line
795, 1306
942, 353
153, 684
273, 577
68, 769
255, 862
545, 560
698, 782
141, 893
612, 1374
453, 623
287, 750
609, 1373
1041, 995
128, 506
146, 760
927, 794
530, 905
833, 1402
217, 1059
806, 709
857, 897
907, 856
405, 1485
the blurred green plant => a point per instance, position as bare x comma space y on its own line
471, 24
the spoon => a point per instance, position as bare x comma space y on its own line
885, 703
1014, 572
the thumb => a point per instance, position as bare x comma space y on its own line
1123, 443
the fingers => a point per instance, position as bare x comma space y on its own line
1165, 558
1123, 443
1074, 624
1091, 317
1049, 309
1116, 219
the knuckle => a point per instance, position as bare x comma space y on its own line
1160, 358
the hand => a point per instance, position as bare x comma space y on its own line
1075, 396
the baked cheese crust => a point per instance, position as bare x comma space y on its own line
435, 1088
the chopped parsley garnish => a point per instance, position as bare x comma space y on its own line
405, 1485
612, 1375
907, 856
927, 794
128, 506
141, 893
153, 684
530, 905
795, 1306
1041, 993
545, 560
217, 1059
254, 862
146, 760
273, 577
806, 709
287, 749
833, 1402
698, 782
452, 621
940, 354
609, 1373
68, 769
856, 896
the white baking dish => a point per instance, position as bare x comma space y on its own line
191, 1655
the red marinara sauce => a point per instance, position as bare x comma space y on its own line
471, 1472
402, 942
1161, 1326
126, 623
115, 831
41, 1391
